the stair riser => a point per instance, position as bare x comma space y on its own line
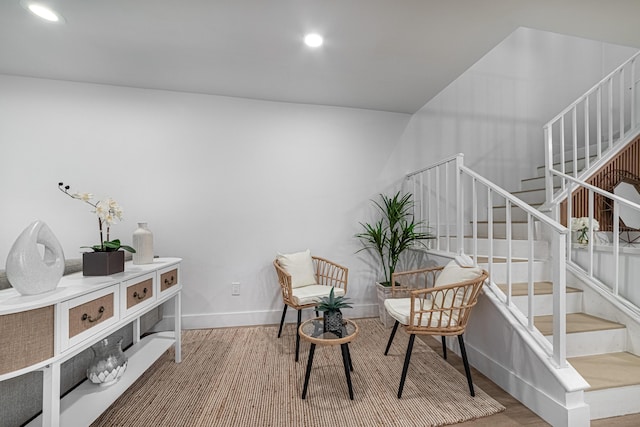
613, 402
543, 304
517, 214
538, 183
531, 197
519, 272
519, 231
520, 248
595, 342
568, 166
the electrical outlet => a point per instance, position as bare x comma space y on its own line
235, 288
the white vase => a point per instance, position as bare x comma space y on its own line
143, 244
29, 271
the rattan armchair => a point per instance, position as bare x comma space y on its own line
435, 309
328, 275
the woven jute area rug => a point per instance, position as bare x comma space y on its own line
248, 377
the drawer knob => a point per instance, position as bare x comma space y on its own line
141, 296
94, 319
169, 281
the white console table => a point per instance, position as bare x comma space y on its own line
40, 332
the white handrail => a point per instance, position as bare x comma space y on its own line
605, 116
594, 88
455, 218
525, 206
598, 190
612, 115
595, 277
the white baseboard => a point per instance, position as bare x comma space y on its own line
545, 407
250, 318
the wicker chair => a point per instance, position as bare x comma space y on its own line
436, 308
327, 275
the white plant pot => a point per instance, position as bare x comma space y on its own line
383, 293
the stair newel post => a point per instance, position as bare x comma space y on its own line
587, 155
509, 250
548, 158
490, 229
616, 245
569, 216
474, 201
633, 93
574, 139
530, 286
460, 204
559, 299
591, 232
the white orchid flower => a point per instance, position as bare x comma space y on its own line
85, 197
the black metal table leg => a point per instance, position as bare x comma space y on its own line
349, 354
346, 361
308, 373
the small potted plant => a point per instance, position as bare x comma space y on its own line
106, 258
580, 228
331, 306
389, 237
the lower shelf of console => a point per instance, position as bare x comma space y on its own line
86, 402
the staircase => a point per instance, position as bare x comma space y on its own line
596, 347
548, 329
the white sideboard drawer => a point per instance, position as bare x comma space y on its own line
83, 317
168, 279
138, 293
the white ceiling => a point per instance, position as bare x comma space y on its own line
390, 55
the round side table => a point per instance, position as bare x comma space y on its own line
312, 330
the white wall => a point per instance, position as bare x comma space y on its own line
495, 111
223, 182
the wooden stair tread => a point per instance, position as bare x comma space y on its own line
608, 370
502, 222
576, 322
533, 189
498, 260
539, 288
533, 205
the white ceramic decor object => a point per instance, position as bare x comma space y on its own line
29, 271
143, 244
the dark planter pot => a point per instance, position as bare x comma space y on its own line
333, 322
102, 263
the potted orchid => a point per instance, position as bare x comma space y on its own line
107, 256
581, 227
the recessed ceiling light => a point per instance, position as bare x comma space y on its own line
42, 11
313, 40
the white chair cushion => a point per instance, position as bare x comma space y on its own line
454, 273
300, 266
310, 294
400, 309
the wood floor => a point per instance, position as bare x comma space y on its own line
516, 413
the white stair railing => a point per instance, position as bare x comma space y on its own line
594, 125
440, 201
579, 141
608, 279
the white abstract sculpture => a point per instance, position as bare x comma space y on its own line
29, 272
630, 216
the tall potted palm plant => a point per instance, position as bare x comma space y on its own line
395, 231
